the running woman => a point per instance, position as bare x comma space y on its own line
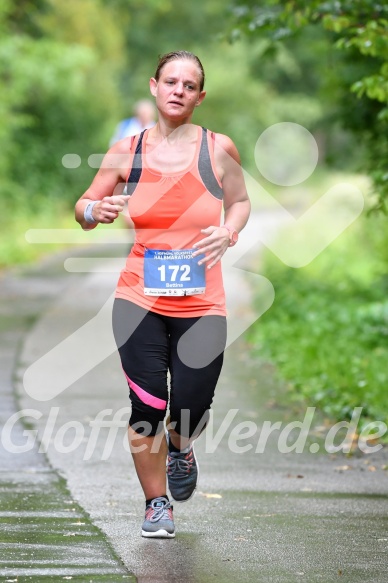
169, 315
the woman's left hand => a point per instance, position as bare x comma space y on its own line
214, 245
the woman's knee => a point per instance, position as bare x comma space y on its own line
147, 426
147, 419
189, 423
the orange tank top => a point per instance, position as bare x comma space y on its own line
168, 212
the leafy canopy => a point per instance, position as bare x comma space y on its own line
358, 30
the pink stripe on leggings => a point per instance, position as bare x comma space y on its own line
146, 397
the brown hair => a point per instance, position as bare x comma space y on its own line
164, 59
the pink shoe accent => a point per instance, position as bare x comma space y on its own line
148, 399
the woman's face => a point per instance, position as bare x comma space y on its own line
177, 91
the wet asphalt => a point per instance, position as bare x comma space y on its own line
45, 535
71, 506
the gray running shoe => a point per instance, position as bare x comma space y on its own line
182, 473
158, 521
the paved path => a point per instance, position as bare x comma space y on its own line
258, 517
44, 533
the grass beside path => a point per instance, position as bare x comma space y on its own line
327, 331
47, 536
57, 226
14, 248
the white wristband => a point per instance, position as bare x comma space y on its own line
88, 216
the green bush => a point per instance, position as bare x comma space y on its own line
327, 331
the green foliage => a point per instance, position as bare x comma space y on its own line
14, 247
244, 115
358, 85
69, 71
45, 91
52, 103
161, 26
327, 331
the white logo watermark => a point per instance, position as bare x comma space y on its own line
286, 154
99, 436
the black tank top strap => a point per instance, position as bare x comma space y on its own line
205, 167
137, 167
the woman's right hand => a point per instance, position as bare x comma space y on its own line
108, 209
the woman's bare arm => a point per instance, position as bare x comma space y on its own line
107, 187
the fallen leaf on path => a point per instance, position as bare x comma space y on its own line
343, 468
351, 441
252, 414
369, 439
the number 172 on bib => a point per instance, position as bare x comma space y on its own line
173, 273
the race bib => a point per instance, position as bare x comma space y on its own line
173, 273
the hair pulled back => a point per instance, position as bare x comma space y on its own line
178, 55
